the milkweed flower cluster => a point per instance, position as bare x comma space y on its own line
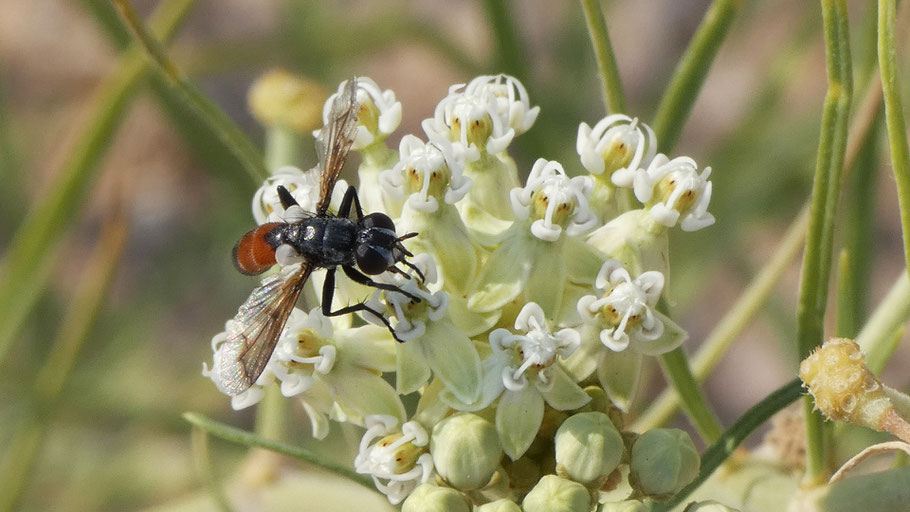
538, 305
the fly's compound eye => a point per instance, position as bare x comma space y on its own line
373, 260
378, 220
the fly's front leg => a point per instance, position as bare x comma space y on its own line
359, 277
328, 294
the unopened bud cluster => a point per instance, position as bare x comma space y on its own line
538, 307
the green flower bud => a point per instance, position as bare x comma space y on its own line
466, 451
432, 498
555, 494
708, 506
279, 98
502, 505
588, 447
664, 460
625, 506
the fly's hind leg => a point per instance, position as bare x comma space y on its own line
328, 294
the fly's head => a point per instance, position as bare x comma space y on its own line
379, 248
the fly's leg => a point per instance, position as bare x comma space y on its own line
328, 294
350, 198
356, 276
287, 200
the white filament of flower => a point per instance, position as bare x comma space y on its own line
379, 461
537, 349
593, 144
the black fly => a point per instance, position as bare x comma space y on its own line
362, 245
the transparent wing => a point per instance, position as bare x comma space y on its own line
258, 326
335, 141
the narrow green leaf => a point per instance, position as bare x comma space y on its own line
26, 266
245, 438
718, 452
816, 268
194, 99
614, 99
894, 114
691, 72
22, 450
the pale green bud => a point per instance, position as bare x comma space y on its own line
502, 505
664, 460
555, 494
466, 451
625, 506
708, 506
279, 98
588, 447
432, 498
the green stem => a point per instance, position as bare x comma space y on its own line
507, 45
26, 266
676, 368
691, 72
282, 147
733, 322
718, 452
200, 445
816, 267
236, 435
19, 459
897, 130
614, 99
877, 337
194, 99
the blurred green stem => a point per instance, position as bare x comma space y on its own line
200, 444
229, 133
282, 147
27, 264
19, 460
508, 48
691, 72
877, 337
733, 322
614, 99
894, 116
816, 268
242, 437
718, 452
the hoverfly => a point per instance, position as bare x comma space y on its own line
362, 246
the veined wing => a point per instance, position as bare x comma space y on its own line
254, 332
335, 141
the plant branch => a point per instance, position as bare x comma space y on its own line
614, 99
242, 437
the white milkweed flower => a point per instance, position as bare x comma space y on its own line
473, 121
523, 372
426, 172
554, 200
626, 307
397, 459
511, 99
620, 326
674, 190
379, 116
617, 145
327, 370
304, 188
429, 180
433, 344
551, 208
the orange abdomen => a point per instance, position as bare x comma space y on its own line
253, 254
